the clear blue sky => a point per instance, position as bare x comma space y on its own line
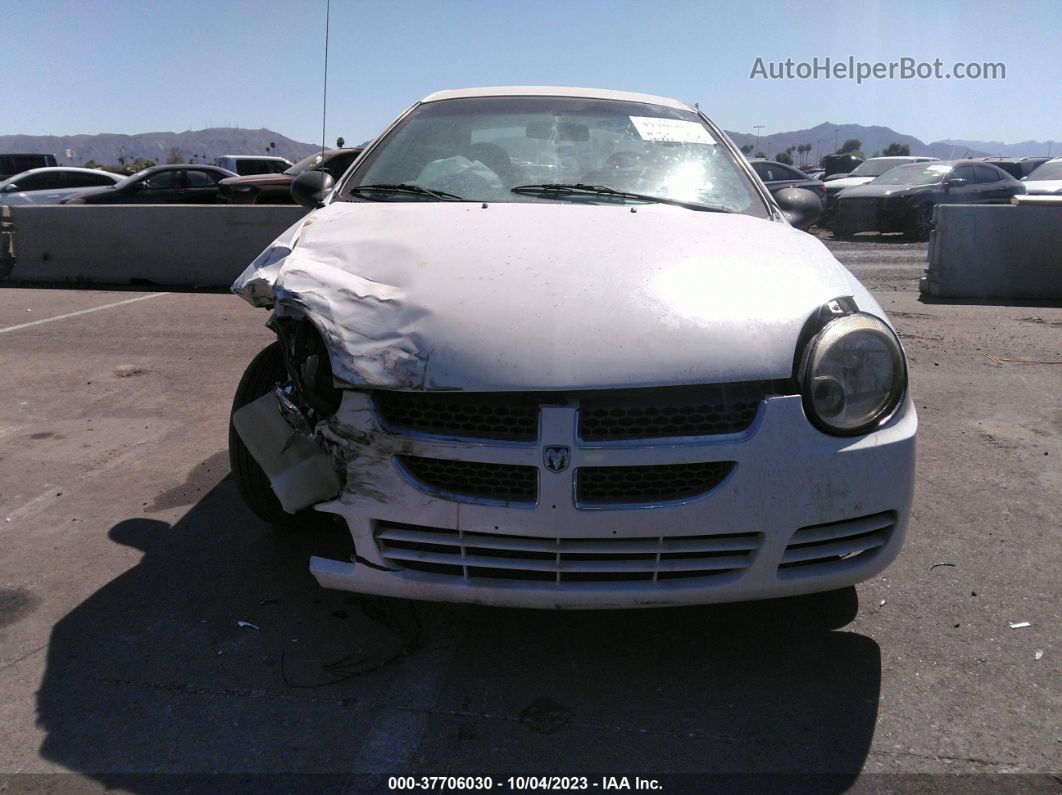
128, 66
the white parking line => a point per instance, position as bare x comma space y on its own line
80, 312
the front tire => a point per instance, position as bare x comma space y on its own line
264, 372
920, 224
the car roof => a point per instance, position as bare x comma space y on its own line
556, 91
46, 169
254, 157
772, 162
161, 166
909, 158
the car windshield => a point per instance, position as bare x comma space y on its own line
132, 178
914, 174
875, 168
306, 164
1051, 170
479, 149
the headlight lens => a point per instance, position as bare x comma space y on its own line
853, 375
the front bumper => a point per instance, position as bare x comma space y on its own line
861, 214
787, 477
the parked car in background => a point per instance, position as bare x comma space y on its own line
814, 172
871, 169
245, 165
778, 176
11, 164
861, 175
274, 188
1017, 167
837, 166
52, 185
1045, 179
159, 185
560, 348
902, 199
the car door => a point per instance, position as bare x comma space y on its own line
30, 187
160, 187
966, 193
202, 186
995, 184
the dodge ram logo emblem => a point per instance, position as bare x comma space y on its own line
557, 458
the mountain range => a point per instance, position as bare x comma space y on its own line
204, 145
207, 144
827, 137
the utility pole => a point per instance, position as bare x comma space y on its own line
757, 128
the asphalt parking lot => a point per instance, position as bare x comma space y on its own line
128, 563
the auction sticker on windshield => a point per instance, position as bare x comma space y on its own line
651, 128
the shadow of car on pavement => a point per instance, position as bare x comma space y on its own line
153, 674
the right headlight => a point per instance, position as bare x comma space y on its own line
853, 375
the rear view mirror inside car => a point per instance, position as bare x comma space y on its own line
562, 131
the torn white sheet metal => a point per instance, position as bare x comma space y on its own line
541, 296
300, 472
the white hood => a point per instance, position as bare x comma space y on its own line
1043, 185
847, 182
547, 296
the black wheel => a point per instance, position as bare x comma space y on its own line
841, 233
920, 223
264, 372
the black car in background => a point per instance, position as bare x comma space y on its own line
1017, 167
777, 176
902, 199
160, 185
12, 163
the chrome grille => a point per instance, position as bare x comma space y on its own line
639, 485
819, 548
560, 561
647, 414
473, 480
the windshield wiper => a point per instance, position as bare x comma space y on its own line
578, 189
402, 187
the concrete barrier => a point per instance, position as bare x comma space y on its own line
168, 245
996, 251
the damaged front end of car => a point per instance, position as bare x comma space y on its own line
518, 436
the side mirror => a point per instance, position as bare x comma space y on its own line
954, 182
801, 207
11, 188
310, 188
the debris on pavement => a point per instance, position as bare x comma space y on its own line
247, 625
935, 565
1039, 654
1019, 624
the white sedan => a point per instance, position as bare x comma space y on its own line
1045, 179
53, 184
560, 348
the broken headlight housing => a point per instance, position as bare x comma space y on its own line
853, 375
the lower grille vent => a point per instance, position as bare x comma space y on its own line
817, 549
641, 485
561, 561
